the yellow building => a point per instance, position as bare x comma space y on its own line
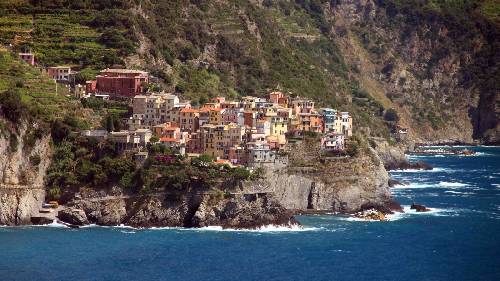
217, 139
215, 116
278, 129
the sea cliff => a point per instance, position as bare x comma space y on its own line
24, 160
309, 182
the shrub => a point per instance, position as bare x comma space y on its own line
54, 193
59, 131
13, 108
352, 149
35, 160
391, 115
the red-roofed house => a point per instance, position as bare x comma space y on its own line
121, 82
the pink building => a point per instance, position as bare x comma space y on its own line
274, 97
90, 86
29, 58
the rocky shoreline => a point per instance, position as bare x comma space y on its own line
236, 212
337, 185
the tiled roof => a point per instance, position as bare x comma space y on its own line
169, 140
189, 110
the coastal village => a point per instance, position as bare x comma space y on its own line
250, 131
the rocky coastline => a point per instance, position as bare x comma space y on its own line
237, 212
308, 184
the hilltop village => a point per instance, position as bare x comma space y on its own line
249, 131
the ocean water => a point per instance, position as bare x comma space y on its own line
458, 240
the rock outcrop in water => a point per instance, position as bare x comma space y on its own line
171, 210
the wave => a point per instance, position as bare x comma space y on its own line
435, 170
459, 192
413, 185
451, 184
130, 229
266, 228
408, 212
441, 184
263, 229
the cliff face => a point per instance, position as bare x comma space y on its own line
23, 164
339, 184
188, 210
437, 68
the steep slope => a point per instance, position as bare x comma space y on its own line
436, 62
438, 68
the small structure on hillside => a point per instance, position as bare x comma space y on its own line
29, 58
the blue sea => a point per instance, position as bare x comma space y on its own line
458, 240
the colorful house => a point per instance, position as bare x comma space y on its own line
333, 141
59, 73
29, 58
329, 115
189, 119
122, 82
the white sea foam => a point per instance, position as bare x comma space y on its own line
435, 170
459, 192
452, 184
55, 223
413, 185
263, 229
408, 212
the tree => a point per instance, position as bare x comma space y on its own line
59, 131
110, 126
12, 106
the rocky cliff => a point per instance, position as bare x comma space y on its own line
24, 160
437, 65
175, 210
321, 183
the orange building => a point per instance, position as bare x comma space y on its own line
189, 119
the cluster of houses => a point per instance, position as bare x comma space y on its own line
249, 131
116, 82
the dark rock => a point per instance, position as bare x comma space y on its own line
419, 208
394, 206
409, 165
40, 220
73, 216
393, 182
238, 212
376, 206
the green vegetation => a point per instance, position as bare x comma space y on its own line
79, 160
90, 35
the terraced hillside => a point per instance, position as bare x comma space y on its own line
434, 62
59, 35
35, 89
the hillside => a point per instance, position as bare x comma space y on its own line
435, 62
